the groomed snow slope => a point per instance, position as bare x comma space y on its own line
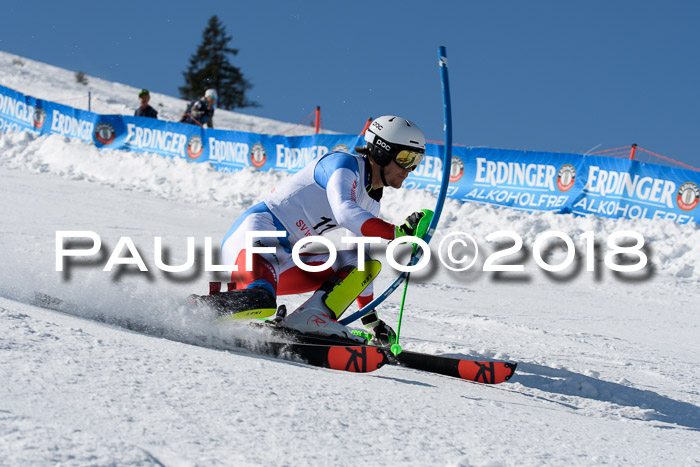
607, 369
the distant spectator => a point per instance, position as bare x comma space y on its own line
145, 110
201, 111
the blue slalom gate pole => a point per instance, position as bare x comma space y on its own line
446, 165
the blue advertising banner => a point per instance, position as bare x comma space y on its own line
70, 122
232, 150
20, 112
631, 189
427, 175
141, 134
525, 180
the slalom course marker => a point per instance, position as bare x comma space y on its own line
446, 166
396, 348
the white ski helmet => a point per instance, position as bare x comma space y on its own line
211, 93
395, 138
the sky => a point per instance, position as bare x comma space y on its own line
557, 76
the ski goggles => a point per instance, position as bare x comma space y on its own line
407, 159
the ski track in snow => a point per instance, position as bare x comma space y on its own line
607, 364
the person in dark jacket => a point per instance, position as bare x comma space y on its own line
145, 110
201, 111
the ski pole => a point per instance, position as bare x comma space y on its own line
444, 185
396, 347
447, 158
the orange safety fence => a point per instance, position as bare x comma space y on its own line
316, 122
636, 153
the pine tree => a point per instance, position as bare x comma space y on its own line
210, 68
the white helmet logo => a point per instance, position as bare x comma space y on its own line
383, 144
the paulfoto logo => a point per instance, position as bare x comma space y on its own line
457, 251
126, 252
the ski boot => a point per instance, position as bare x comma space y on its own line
319, 314
237, 304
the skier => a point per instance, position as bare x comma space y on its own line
201, 111
338, 190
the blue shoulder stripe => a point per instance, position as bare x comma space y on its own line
332, 162
261, 207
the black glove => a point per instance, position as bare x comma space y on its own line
382, 334
415, 225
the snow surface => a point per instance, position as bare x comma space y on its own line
607, 362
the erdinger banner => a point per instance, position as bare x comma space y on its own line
428, 174
20, 112
526, 180
67, 121
142, 134
229, 151
631, 189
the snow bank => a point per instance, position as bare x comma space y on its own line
607, 366
183, 182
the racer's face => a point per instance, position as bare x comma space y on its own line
395, 174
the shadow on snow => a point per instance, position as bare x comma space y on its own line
652, 406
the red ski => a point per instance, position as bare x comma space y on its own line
487, 372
